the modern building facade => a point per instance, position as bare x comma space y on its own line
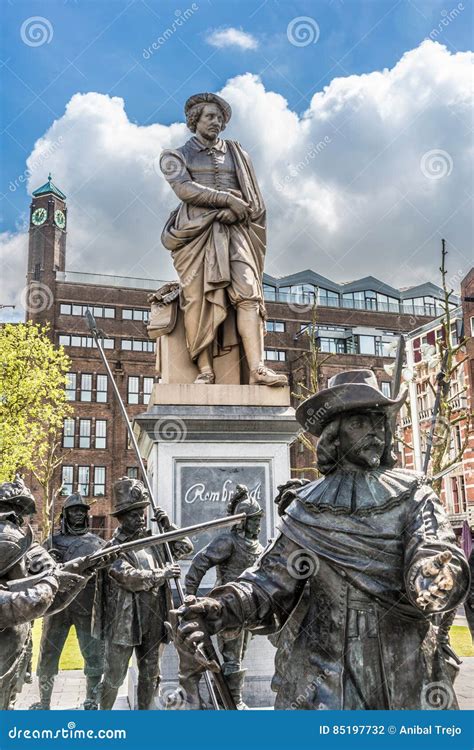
353, 325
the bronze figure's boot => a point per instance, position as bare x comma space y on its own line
250, 325
46, 685
235, 681
91, 702
108, 696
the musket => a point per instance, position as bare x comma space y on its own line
217, 676
108, 554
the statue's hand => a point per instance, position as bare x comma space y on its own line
194, 622
240, 208
227, 216
433, 582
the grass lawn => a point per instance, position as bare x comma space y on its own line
461, 640
71, 656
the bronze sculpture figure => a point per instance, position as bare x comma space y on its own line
131, 602
73, 540
363, 558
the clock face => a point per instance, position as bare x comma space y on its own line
39, 216
59, 219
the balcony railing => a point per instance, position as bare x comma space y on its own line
307, 299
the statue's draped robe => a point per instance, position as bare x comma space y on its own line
339, 580
202, 247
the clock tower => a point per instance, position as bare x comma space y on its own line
46, 248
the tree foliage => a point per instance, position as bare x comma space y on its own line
32, 397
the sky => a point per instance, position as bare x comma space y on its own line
357, 115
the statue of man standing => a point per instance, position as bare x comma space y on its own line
217, 237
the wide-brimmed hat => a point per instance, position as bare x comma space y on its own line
353, 390
17, 495
208, 98
129, 494
14, 543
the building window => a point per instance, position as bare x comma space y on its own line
147, 389
84, 433
83, 479
275, 326
275, 355
133, 389
136, 314
86, 387
472, 326
99, 481
66, 480
132, 472
80, 310
37, 272
385, 387
71, 384
101, 391
333, 346
85, 342
69, 428
101, 433
138, 345
65, 309
269, 292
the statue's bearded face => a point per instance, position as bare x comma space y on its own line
362, 440
210, 123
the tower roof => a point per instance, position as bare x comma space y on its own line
49, 187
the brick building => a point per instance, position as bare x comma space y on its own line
357, 325
458, 484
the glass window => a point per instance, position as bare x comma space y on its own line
127, 314
71, 382
275, 326
99, 480
101, 433
65, 309
107, 343
84, 433
269, 292
83, 479
76, 341
101, 391
86, 387
133, 389
67, 475
275, 355
472, 326
77, 309
109, 312
132, 472
64, 341
385, 387
147, 389
366, 345
68, 433
126, 345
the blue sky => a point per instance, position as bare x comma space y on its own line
98, 46
357, 115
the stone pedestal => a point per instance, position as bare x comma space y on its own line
199, 442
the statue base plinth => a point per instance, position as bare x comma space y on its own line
199, 442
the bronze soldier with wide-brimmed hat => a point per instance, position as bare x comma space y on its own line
132, 601
73, 540
364, 556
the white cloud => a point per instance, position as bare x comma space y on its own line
344, 184
231, 37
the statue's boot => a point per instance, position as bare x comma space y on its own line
145, 693
189, 692
235, 681
204, 364
91, 702
46, 685
250, 326
108, 696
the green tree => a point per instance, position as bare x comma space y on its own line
33, 404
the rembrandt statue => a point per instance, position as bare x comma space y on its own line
363, 559
217, 240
